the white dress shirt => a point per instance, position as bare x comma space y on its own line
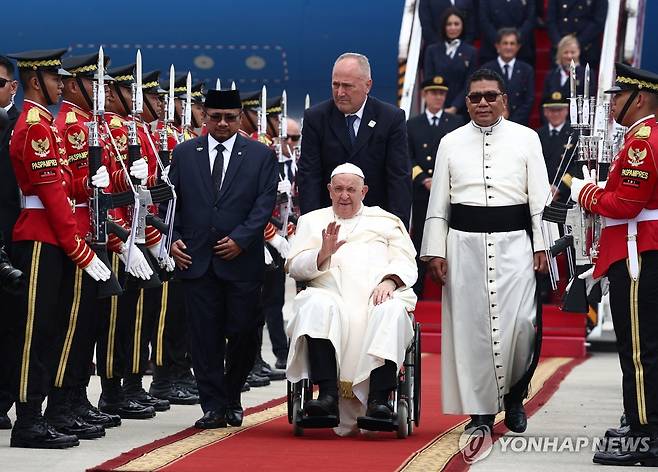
511, 63
431, 115
556, 128
212, 152
359, 115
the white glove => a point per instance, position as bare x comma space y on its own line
268, 257
165, 173
97, 270
167, 262
578, 184
139, 169
284, 186
590, 281
139, 266
281, 245
101, 179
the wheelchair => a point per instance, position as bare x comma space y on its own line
405, 399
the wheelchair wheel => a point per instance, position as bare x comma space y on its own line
417, 377
403, 419
296, 413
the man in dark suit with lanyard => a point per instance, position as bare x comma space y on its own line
425, 132
357, 128
226, 187
10, 205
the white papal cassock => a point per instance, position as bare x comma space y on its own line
337, 304
488, 302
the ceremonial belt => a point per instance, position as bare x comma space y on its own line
631, 237
33, 202
492, 219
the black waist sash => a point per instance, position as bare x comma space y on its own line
501, 219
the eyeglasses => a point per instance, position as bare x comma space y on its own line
490, 97
4, 81
228, 117
294, 137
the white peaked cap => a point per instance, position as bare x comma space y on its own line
348, 168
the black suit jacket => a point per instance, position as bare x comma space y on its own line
497, 14
10, 204
380, 151
424, 141
520, 90
583, 18
240, 210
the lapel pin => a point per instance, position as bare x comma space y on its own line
239, 153
372, 123
199, 148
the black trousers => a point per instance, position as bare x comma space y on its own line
224, 318
419, 211
35, 318
169, 339
111, 359
634, 306
6, 396
274, 290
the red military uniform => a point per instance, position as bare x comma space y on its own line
38, 156
631, 187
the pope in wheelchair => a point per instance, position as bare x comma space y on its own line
351, 326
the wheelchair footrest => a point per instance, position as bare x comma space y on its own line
377, 424
330, 421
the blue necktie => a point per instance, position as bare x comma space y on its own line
350, 128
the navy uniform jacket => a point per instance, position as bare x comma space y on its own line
520, 90
241, 209
455, 71
552, 83
431, 11
553, 148
497, 14
380, 151
583, 18
10, 204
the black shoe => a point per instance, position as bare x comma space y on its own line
5, 422
145, 399
620, 432
188, 381
234, 415
245, 387
38, 434
481, 421
92, 415
324, 405
126, 409
174, 393
255, 380
263, 369
212, 419
638, 450
281, 363
379, 409
76, 426
515, 417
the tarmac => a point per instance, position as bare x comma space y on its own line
563, 431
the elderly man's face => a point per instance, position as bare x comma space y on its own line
346, 191
349, 86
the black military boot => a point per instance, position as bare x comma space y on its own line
634, 448
187, 381
113, 402
133, 390
61, 416
164, 388
88, 412
31, 429
263, 369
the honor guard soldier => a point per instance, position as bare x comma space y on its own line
425, 132
50, 250
628, 256
198, 97
250, 104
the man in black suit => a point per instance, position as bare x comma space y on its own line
519, 77
375, 140
226, 187
425, 132
554, 136
10, 207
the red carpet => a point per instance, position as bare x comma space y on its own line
266, 443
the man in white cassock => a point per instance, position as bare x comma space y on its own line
483, 242
350, 327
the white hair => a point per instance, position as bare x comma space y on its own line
361, 60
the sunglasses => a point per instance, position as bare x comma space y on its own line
294, 137
4, 81
490, 97
228, 117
